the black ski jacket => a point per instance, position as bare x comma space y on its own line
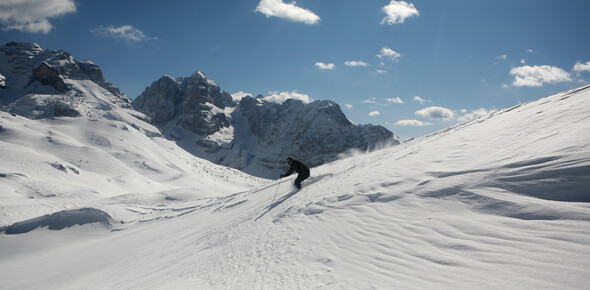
298, 167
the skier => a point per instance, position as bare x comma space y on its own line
300, 168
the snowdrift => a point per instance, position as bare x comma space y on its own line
61, 220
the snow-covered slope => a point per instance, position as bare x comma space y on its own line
54, 164
68, 138
499, 202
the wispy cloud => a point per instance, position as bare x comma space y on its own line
354, 63
322, 65
436, 113
580, 67
239, 96
281, 97
416, 123
501, 57
397, 12
420, 100
348, 106
396, 100
536, 76
374, 113
126, 32
32, 15
387, 53
369, 101
289, 11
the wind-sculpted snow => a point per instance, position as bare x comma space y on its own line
61, 220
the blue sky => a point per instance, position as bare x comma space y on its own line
412, 66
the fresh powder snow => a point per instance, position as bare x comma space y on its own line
502, 201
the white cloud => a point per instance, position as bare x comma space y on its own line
289, 11
381, 71
126, 32
398, 11
536, 76
501, 57
348, 106
374, 113
530, 50
436, 113
355, 63
420, 100
473, 115
387, 53
396, 100
416, 123
239, 95
369, 101
32, 15
281, 97
580, 67
523, 61
322, 65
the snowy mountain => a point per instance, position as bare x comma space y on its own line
502, 201
38, 83
68, 137
254, 135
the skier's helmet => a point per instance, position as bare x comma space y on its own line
289, 159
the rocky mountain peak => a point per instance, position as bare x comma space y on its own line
194, 103
52, 82
253, 135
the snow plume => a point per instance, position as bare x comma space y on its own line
32, 15
436, 113
474, 114
126, 32
289, 11
322, 65
398, 11
280, 97
536, 76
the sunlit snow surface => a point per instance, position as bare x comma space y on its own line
499, 202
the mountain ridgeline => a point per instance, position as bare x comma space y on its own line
252, 134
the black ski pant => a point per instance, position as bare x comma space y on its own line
301, 177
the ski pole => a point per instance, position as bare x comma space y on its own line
273, 198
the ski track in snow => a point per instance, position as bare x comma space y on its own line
498, 202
